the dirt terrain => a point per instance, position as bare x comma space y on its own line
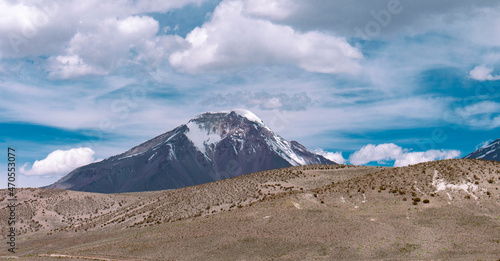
443, 210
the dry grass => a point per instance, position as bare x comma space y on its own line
299, 213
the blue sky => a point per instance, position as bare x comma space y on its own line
379, 83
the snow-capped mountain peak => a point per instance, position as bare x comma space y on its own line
488, 152
248, 115
209, 147
241, 112
208, 129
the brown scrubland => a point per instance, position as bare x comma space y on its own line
442, 210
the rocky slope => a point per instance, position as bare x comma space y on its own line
210, 147
489, 152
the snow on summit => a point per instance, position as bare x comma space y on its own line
241, 112
201, 133
249, 115
201, 137
232, 143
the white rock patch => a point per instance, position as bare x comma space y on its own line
442, 185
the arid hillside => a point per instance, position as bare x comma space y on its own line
439, 210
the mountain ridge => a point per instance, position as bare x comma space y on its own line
209, 147
488, 152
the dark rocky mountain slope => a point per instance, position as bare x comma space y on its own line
210, 147
490, 152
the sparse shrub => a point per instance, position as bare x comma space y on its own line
322, 202
432, 194
488, 193
416, 199
467, 196
383, 187
490, 181
476, 182
426, 201
414, 203
404, 199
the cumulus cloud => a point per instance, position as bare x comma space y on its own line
262, 100
370, 152
65, 67
483, 73
333, 156
233, 39
411, 158
45, 27
390, 151
108, 44
273, 9
75, 43
59, 162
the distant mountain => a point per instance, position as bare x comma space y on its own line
210, 147
490, 152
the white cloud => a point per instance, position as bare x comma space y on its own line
273, 9
485, 114
411, 158
483, 73
106, 45
45, 27
483, 144
91, 38
391, 151
232, 39
370, 152
159, 6
65, 67
60, 162
263, 100
480, 108
333, 156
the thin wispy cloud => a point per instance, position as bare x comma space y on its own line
262, 100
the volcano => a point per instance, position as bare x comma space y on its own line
210, 147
